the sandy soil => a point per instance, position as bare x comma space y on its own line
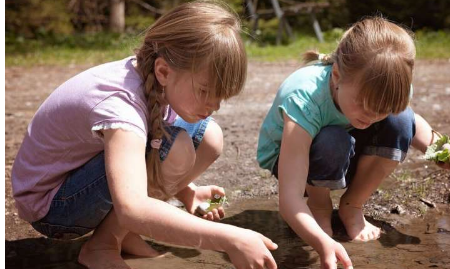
240, 118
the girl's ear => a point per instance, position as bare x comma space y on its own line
336, 76
162, 71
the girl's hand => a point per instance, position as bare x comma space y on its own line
249, 249
332, 253
199, 195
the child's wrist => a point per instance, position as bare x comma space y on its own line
435, 135
187, 193
227, 237
321, 242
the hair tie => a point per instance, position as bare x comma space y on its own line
322, 56
156, 143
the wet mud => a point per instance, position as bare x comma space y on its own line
417, 243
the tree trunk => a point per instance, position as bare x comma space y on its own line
117, 16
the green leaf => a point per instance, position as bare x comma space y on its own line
435, 152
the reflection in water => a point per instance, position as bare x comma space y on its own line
422, 243
290, 250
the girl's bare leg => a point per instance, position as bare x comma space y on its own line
135, 245
103, 248
371, 171
321, 206
184, 164
207, 153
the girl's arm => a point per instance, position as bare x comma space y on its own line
293, 170
424, 137
127, 181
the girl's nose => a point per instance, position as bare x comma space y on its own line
215, 105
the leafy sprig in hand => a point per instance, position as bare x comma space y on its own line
210, 204
439, 152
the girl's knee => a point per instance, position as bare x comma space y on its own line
212, 143
330, 156
181, 157
401, 125
332, 145
397, 131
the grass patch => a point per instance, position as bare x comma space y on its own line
104, 47
75, 49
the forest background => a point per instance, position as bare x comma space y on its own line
93, 31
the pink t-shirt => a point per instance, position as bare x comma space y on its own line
62, 134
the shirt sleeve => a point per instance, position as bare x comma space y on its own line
303, 112
118, 111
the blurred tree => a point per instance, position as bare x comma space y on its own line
89, 15
41, 18
117, 16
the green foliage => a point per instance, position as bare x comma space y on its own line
73, 49
36, 18
335, 16
417, 14
291, 51
267, 32
439, 151
433, 45
103, 47
138, 23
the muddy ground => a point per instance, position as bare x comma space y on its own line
416, 187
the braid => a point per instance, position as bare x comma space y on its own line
154, 94
157, 132
313, 55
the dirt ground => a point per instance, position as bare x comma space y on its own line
240, 118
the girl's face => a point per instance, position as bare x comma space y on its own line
346, 98
186, 93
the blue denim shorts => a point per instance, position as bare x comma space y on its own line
84, 200
335, 152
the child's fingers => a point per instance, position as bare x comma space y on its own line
209, 216
270, 262
216, 215
221, 212
343, 257
217, 190
269, 243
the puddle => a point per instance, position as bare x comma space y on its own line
417, 243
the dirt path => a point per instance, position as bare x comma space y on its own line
240, 118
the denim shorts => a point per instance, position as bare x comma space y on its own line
335, 152
84, 200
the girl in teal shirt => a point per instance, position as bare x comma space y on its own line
343, 121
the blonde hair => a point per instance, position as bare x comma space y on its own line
189, 37
378, 56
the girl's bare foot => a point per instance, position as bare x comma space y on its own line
135, 245
100, 257
357, 227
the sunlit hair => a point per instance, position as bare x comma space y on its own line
378, 56
190, 37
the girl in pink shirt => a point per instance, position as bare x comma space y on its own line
107, 148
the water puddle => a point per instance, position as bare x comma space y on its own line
416, 243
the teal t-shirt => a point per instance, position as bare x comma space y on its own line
305, 97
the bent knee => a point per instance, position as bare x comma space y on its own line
181, 157
212, 143
333, 145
